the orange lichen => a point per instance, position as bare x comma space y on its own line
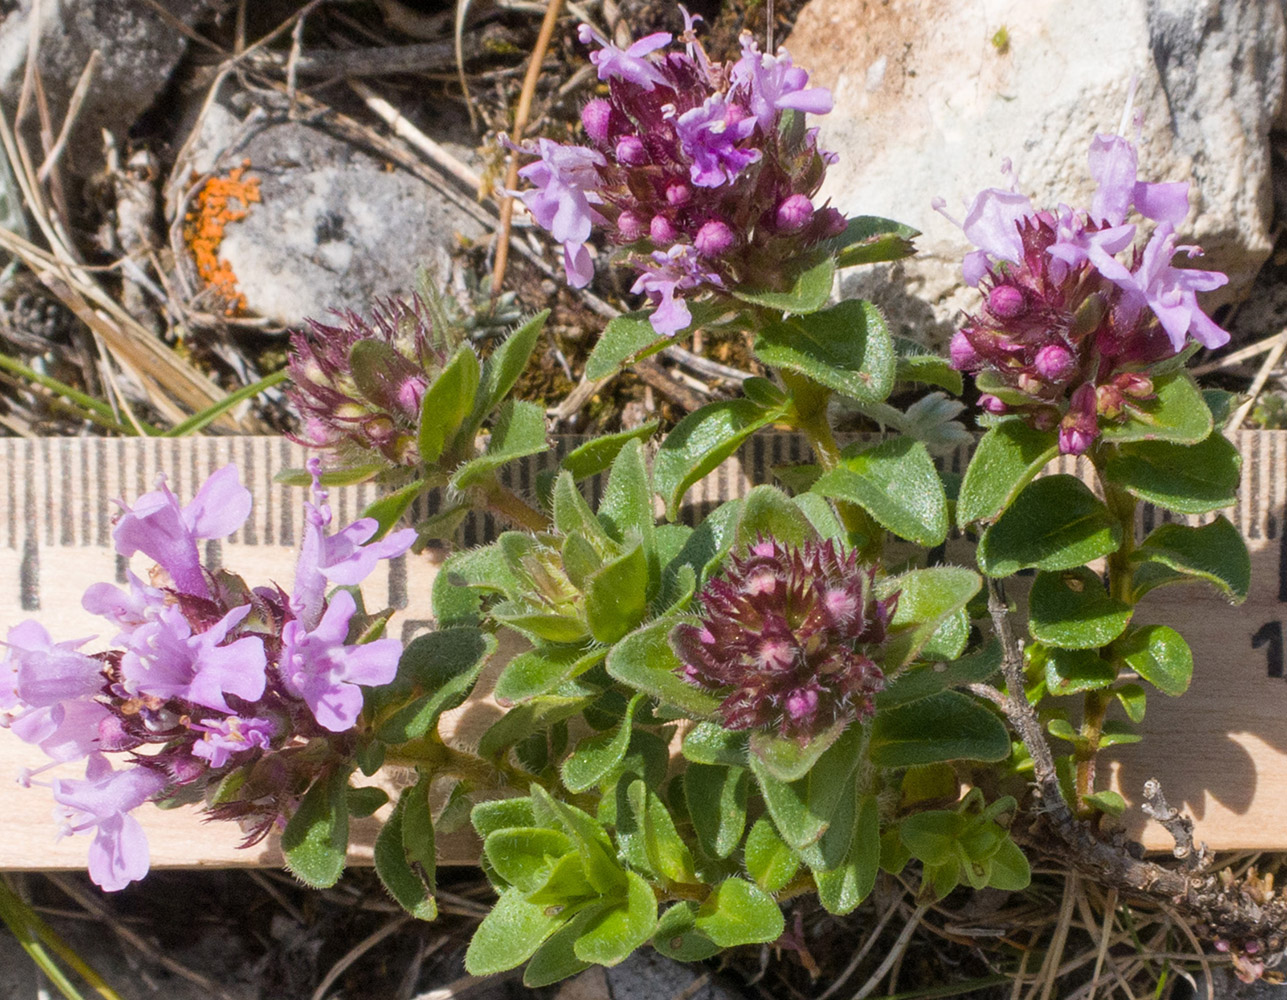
203, 228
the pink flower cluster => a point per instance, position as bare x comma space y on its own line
1075, 313
206, 675
790, 638
690, 166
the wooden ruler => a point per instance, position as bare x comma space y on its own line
1220, 750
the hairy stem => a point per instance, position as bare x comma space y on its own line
508, 505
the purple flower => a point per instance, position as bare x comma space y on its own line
773, 84
102, 803
709, 136
166, 660
224, 738
788, 636
167, 534
319, 667
1073, 316
678, 142
129, 611
632, 64
1170, 291
564, 180
344, 559
43, 673
672, 272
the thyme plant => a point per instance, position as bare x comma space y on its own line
702, 720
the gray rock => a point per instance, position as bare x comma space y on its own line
646, 975
930, 99
139, 50
335, 227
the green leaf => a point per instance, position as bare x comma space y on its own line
617, 596
711, 743
809, 291
665, 851
926, 599
458, 588
737, 912
597, 454
1009, 455
447, 402
524, 856
1010, 869
556, 959
788, 759
1134, 700
869, 239
519, 431
1071, 609
539, 671
1160, 655
388, 510
509, 935
644, 661
1071, 671
1107, 801
717, 804
922, 682
929, 369
1190, 479
932, 836
1179, 414
596, 755
945, 726
845, 348
897, 484
768, 858
626, 510
767, 511
842, 889
625, 338
504, 366
316, 839
537, 715
805, 810
1054, 523
595, 849
677, 936
822, 516
1178, 553
397, 875
700, 442
497, 814
364, 801
618, 929
443, 664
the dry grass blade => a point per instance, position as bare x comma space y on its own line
154, 954
74, 104
867, 945
404, 130
1262, 376
356, 952
895, 954
520, 123
1055, 954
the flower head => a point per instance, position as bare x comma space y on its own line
357, 387
689, 167
209, 674
1074, 314
790, 637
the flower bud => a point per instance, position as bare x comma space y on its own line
662, 230
631, 152
992, 404
678, 193
1006, 301
630, 226
833, 222
1055, 362
794, 213
596, 117
1134, 385
964, 356
714, 238
1109, 401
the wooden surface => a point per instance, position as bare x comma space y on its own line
1220, 751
